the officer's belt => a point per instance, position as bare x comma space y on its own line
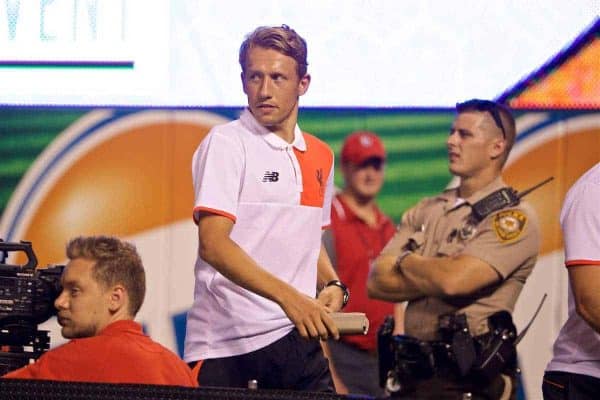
444, 358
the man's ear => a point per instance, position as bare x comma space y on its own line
118, 298
303, 84
498, 148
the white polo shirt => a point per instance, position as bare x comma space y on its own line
279, 196
577, 348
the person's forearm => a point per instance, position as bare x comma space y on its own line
325, 270
393, 296
427, 274
448, 276
333, 296
385, 283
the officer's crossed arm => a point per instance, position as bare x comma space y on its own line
385, 283
459, 275
396, 278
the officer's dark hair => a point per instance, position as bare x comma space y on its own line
500, 113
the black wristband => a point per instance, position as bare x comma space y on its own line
338, 283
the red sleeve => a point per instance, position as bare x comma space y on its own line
25, 372
56, 364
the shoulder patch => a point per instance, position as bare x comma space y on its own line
509, 224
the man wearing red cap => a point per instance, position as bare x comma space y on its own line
359, 231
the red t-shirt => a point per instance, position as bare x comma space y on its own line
356, 246
120, 353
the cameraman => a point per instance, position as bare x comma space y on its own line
103, 289
462, 273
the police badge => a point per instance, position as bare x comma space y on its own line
509, 224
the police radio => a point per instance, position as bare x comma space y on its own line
505, 197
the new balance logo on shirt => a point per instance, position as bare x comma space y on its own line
271, 176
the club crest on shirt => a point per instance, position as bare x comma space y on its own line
319, 176
509, 224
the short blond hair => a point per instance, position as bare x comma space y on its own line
116, 262
279, 38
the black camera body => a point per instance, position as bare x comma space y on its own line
27, 296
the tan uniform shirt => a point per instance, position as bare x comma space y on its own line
508, 240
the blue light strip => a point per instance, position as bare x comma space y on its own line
66, 64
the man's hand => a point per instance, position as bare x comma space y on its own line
332, 297
311, 317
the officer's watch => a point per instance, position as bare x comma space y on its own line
398, 262
338, 283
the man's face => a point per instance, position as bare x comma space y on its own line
272, 85
366, 179
83, 308
472, 143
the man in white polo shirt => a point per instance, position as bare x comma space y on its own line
574, 372
263, 191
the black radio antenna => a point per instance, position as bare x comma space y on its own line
531, 189
524, 331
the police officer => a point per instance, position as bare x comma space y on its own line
460, 259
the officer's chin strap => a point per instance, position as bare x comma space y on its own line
524, 331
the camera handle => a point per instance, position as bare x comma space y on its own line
25, 247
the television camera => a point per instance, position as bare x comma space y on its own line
27, 296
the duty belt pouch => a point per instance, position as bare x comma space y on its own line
385, 349
403, 360
454, 330
413, 362
499, 351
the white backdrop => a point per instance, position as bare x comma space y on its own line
361, 52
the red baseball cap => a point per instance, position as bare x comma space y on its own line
362, 145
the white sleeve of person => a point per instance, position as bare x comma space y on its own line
580, 222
